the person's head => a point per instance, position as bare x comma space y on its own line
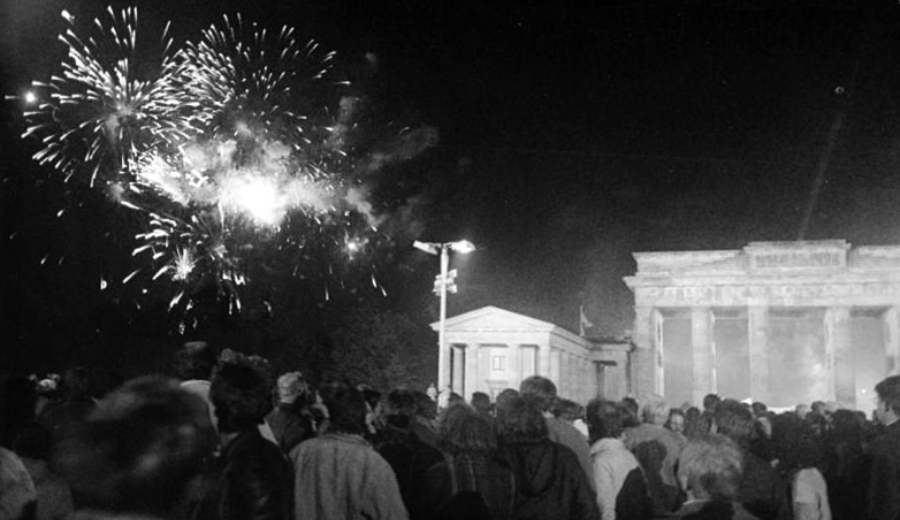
759, 409
633, 408
888, 402
503, 399
346, 409
240, 395
568, 410
426, 407
522, 421
819, 407
655, 411
399, 402
140, 450
195, 360
711, 467
605, 419
796, 444
291, 387
481, 402
77, 384
676, 421
734, 420
541, 389
463, 430
710, 401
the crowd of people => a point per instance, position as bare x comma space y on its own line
225, 437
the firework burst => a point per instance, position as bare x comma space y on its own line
227, 150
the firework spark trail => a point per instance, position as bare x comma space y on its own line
100, 113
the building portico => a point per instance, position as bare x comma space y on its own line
778, 322
491, 349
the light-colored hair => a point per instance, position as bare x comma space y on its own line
655, 411
711, 466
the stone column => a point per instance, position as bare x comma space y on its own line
839, 357
892, 341
758, 341
643, 368
704, 361
565, 375
543, 361
515, 366
659, 352
474, 382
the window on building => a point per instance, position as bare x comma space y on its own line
498, 363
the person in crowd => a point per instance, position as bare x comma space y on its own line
543, 393
676, 423
407, 455
54, 498
883, 496
481, 402
18, 498
253, 477
693, 423
75, 406
471, 467
140, 453
422, 426
339, 476
571, 412
506, 396
706, 422
657, 450
847, 474
289, 421
621, 487
762, 491
710, 471
799, 453
193, 364
761, 413
551, 483
634, 411
801, 410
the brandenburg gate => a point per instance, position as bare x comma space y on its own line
777, 322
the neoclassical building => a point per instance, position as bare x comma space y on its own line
778, 322
491, 349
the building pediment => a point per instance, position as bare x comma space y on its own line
494, 319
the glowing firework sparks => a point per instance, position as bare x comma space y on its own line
224, 152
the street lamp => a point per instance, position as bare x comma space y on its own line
443, 283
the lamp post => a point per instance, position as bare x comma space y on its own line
444, 283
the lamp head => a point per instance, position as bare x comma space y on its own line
429, 247
463, 246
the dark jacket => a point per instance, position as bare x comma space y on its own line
714, 510
490, 478
253, 481
410, 458
883, 498
550, 481
289, 426
763, 492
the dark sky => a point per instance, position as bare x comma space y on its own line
570, 135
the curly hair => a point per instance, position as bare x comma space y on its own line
240, 394
711, 466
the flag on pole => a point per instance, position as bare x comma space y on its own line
583, 322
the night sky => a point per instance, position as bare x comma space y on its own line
569, 137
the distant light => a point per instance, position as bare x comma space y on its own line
463, 246
30, 97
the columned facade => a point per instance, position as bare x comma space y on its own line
778, 322
491, 349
